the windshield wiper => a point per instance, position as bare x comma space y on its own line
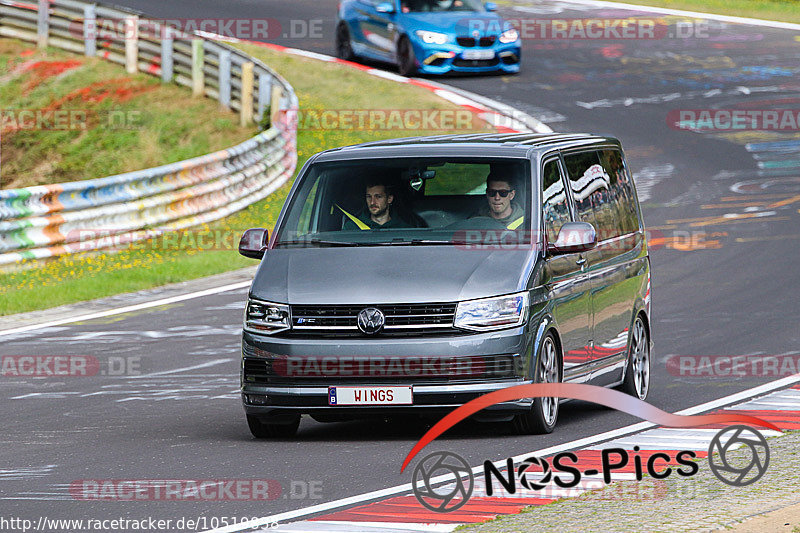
394, 242
432, 241
319, 242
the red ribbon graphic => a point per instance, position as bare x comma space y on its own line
590, 393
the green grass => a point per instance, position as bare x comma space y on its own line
113, 122
94, 275
781, 10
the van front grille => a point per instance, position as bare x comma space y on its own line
401, 319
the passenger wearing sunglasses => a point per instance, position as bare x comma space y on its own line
501, 207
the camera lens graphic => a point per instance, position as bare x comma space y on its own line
531, 463
452, 491
740, 471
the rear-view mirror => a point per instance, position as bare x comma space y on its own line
574, 237
253, 243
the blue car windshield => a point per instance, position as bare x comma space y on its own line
424, 200
413, 6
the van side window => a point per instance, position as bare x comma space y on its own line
621, 187
555, 211
585, 178
304, 224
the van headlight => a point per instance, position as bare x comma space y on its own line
509, 36
492, 313
266, 317
431, 37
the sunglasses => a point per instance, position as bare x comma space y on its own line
491, 193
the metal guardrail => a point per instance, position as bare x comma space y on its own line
45, 221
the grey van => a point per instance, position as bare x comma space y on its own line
413, 275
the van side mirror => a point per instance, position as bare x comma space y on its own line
490, 6
384, 7
574, 237
253, 243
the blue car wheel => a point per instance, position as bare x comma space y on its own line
406, 62
344, 48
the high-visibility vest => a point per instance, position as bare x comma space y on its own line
516, 223
357, 221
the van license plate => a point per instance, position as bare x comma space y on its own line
401, 395
477, 54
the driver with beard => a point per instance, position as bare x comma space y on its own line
378, 213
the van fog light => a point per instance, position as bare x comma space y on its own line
257, 399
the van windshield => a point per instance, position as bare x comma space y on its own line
409, 201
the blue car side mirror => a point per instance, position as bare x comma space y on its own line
490, 6
384, 7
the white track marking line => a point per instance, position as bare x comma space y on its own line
185, 369
579, 443
312, 55
318, 526
693, 14
129, 308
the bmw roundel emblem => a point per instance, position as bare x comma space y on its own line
371, 320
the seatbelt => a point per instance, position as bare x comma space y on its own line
517, 223
354, 219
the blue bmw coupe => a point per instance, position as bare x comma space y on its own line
428, 36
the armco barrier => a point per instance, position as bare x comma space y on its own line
50, 220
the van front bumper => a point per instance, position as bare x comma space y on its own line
428, 399
274, 394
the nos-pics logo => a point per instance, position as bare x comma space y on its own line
444, 481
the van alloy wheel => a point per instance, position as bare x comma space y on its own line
543, 414
637, 375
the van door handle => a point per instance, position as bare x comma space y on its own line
581, 261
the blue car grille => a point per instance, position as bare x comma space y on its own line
459, 62
468, 42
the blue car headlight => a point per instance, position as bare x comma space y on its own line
431, 37
489, 314
509, 36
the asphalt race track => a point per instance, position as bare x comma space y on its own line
723, 208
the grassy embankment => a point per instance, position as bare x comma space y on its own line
93, 275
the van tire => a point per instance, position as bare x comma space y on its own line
637, 371
262, 430
543, 414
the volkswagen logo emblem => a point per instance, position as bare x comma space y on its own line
371, 320
476, 33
